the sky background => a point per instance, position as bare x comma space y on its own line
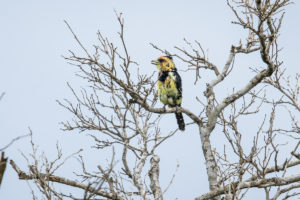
34, 75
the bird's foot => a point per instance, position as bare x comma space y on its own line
165, 109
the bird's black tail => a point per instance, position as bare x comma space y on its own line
180, 121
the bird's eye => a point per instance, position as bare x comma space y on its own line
161, 60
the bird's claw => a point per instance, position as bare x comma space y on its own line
164, 108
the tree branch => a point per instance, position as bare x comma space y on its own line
3, 163
261, 183
23, 176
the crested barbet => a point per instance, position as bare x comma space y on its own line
169, 86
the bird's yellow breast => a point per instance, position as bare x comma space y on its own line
167, 91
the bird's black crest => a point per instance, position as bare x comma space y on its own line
170, 57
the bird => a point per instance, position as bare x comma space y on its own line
169, 86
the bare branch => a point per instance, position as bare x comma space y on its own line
3, 163
261, 183
14, 140
23, 176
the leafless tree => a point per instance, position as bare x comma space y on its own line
119, 112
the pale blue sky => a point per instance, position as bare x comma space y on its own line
33, 74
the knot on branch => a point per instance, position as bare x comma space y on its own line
209, 90
132, 101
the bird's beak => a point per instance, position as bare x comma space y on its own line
154, 62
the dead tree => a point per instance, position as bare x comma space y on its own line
119, 111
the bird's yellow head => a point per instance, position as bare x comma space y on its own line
164, 63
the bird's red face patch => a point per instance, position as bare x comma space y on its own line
165, 63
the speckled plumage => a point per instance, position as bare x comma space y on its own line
169, 86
